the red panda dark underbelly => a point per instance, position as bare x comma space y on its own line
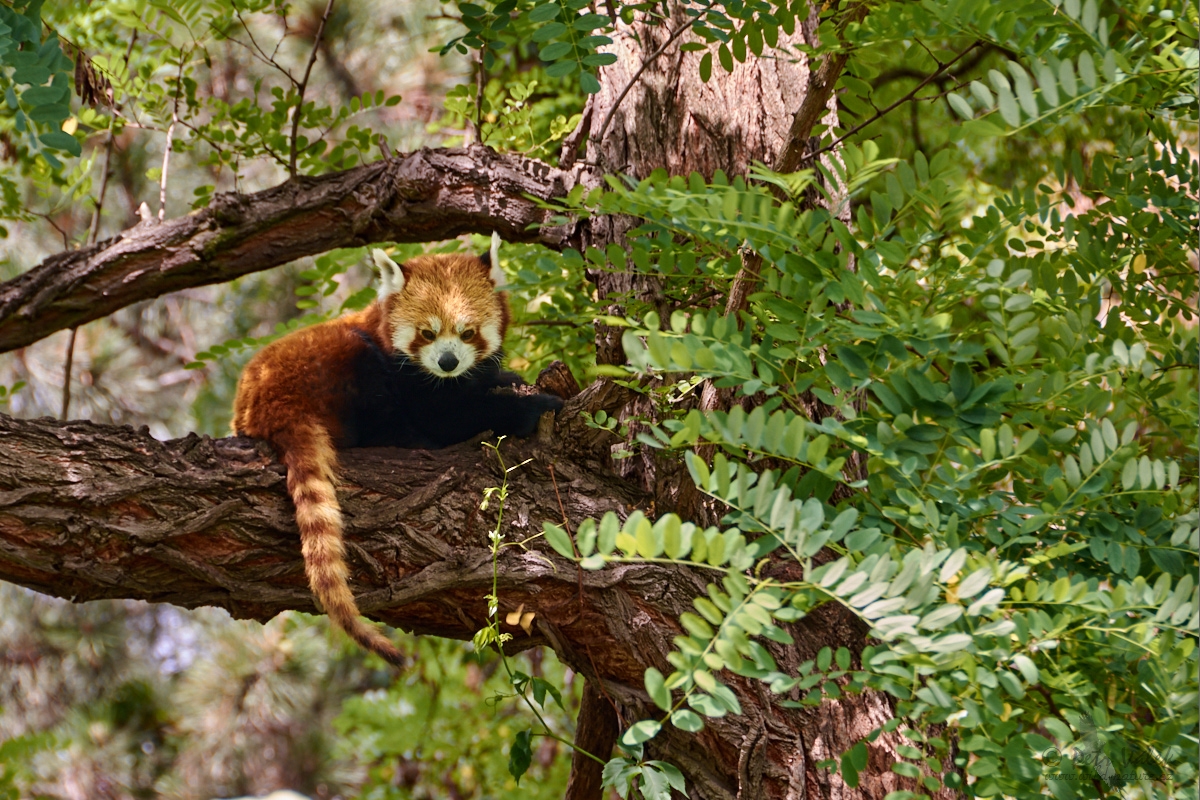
392, 402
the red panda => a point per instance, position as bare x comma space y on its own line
419, 367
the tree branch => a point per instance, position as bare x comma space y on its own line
424, 196
637, 75
300, 89
912, 94
90, 511
816, 100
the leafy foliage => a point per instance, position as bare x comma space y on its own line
1019, 391
968, 415
36, 63
454, 728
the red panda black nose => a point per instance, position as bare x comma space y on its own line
447, 362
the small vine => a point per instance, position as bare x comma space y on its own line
521, 754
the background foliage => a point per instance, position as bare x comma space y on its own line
1003, 488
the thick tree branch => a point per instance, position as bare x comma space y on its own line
90, 511
424, 196
596, 731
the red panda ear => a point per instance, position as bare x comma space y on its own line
491, 260
391, 274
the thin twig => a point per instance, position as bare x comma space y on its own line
567, 528
928, 79
94, 230
154, 344
66, 394
815, 104
93, 235
566, 323
561, 510
608, 117
383, 148
478, 121
65, 236
312, 59
162, 179
257, 50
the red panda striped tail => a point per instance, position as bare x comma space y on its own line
312, 462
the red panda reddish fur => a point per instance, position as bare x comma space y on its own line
374, 378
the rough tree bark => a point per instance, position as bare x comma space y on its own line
90, 511
654, 112
425, 196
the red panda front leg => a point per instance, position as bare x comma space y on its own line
312, 466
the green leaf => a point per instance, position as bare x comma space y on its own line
544, 13
548, 32
521, 755
610, 526
61, 140
725, 57
641, 732
1024, 89
960, 106
688, 721
656, 688
558, 539
1048, 83
853, 761
561, 69
982, 94
862, 539
1066, 77
941, 617
708, 705
555, 51
588, 82
649, 541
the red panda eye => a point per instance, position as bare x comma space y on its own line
467, 334
428, 334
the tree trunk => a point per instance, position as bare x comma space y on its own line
654, 112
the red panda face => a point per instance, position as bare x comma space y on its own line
442, 311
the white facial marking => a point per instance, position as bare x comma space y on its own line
490, 333
432, 353
403, 336
391, 277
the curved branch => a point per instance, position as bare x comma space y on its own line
424, 196
90, 511
942, 68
